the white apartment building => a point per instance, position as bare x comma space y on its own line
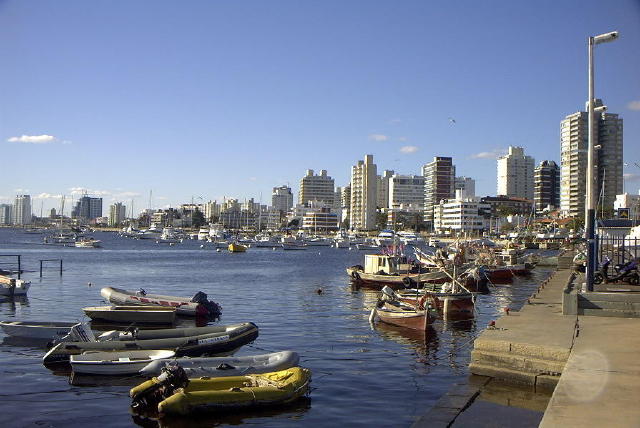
345, 202
382, 191
573, 160
515, 174
406, 191
319, 188
117, 214
467, 185
364, 181
21, 213
632, 202
461, 215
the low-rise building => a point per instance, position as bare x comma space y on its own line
469, 215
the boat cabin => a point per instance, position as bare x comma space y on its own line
389, 265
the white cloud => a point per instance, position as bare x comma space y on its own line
33, 139
494, 154
634, 105
631, 176
395, 121
83, 190
408, 149
127, 195
47, 196
403, 139
378, 137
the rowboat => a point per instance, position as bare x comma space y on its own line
448, 300
394, 271
198, 305
163, 333
116, 362
227, 366
13, 287
403, 315
234, 247
179, 395
132, 314
223, 342
44, 330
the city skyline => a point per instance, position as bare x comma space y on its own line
174, 105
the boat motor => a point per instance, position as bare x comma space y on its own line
171, 378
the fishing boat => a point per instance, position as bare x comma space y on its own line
174, 393
13, 287
368, 247
294, 246
394, 271
132, 314
449, 300
224, 342
227, 366
88, 243
392, 311
198, 305
234, 247
116, 362
45, 330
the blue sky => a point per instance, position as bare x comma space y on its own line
211, 98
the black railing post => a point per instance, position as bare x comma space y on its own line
40, 268
60, 267
19, 267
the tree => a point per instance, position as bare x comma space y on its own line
345, 224
197, 219
294, 223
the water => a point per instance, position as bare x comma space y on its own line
362, 376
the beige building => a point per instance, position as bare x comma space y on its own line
406, 191
382, 191
319, 188
573, 160
117, 214
364, 181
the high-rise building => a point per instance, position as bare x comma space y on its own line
467, 187
439, 183
345, 202
515, 174
546, 185
319, 188
573, 159
117, 214
21, 213
406, 191
364, 181
282, 199
5, 214
382, 198
87, 208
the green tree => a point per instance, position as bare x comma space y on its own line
381, 221
294, 223
197, 219
345, 224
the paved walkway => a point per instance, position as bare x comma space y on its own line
600, 384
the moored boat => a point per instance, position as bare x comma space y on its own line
235, 247
45, 330
132, 314
183, 396
403, 315
13, 287
116, 362
224, 342
198, 305
227, 366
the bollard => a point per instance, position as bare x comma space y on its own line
506, 311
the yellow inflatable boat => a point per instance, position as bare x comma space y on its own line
176, 395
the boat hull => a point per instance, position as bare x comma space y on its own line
183, 305
132, 314
222, 343
37, 329
407, 318
116, 363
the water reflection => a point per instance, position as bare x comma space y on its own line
425, 343
9, 304
291, 411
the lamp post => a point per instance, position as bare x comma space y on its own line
591, 197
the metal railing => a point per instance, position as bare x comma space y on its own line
619, 249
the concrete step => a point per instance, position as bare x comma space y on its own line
618, 306
612, 296
608, 313
522, 363
547, 382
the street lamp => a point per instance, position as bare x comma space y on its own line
591, 197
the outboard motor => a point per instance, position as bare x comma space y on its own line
166, 384
213, 310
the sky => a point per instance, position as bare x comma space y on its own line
202, 100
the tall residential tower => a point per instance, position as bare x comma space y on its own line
515, 174
439, 184
364, 182
319, 188
546, 185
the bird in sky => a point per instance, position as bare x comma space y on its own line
452, 121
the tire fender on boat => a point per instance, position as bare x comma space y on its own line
355, 275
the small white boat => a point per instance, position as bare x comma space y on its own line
44, 330
294, 246
227, 366
198, 305
13, 287
132, 314
116, 362
88, 243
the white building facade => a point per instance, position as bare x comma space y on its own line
406, 191
466, 185
117, 214
515, 174
319, 188
469, 215
21, 213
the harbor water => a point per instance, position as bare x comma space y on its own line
363, 375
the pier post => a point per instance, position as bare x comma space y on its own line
40, 268
60, 267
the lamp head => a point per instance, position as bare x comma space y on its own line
605, 38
